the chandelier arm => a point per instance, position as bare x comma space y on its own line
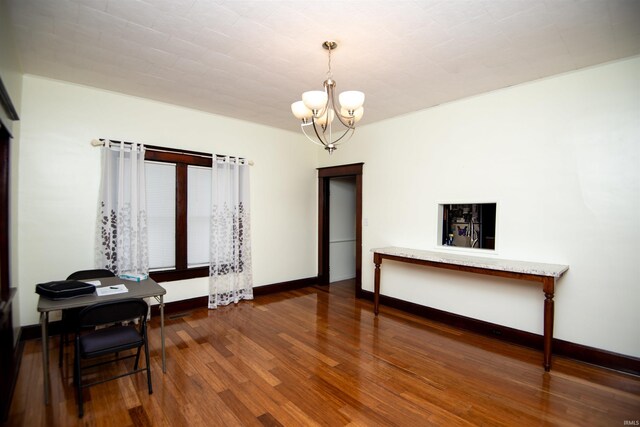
340, 116
331, 103
322, 138
342, 119
322, 111
319, 142
338, 141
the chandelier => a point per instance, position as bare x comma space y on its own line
318, 109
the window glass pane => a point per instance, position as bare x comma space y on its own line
161, 214
198, 215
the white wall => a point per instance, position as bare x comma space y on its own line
562, 158
60, 172
560, 155
342, 229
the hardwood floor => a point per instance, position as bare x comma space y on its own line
318, 356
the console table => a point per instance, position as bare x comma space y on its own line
547, 274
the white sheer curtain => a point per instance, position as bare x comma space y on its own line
122, 218
230, 277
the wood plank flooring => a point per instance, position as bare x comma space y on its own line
318, 357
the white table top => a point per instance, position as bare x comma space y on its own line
524, 267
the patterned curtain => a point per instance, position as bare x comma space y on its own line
122, 216
230, 277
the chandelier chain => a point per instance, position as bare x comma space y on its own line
329, 76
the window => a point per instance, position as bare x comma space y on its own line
178, 186
198, 215
161, 214
468, 225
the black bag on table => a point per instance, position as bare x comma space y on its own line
63, 289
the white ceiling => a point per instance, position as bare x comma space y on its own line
252, 59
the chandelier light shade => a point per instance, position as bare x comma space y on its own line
318, 110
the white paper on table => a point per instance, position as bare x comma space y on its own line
111, 290
95, 283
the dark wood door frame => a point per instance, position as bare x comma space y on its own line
324, 175
4, 213
9, 351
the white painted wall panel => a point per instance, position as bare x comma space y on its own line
561, 156
60, 173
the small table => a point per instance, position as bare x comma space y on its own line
144, 289
531, 271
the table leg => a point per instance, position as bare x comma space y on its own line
377, 260
548, 287
164, 360
44, 320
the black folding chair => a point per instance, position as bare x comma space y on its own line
70, 315
111, 340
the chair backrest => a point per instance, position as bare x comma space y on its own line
112, 312
90, 274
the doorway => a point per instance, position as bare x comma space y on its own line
342, 228
345, 173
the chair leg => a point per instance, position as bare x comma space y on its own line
135, 365
146, 355
75, 371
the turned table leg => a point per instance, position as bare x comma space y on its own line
548, 287
377, 260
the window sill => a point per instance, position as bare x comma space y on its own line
173, 275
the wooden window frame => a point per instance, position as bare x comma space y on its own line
182, 160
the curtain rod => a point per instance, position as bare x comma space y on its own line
100, 142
